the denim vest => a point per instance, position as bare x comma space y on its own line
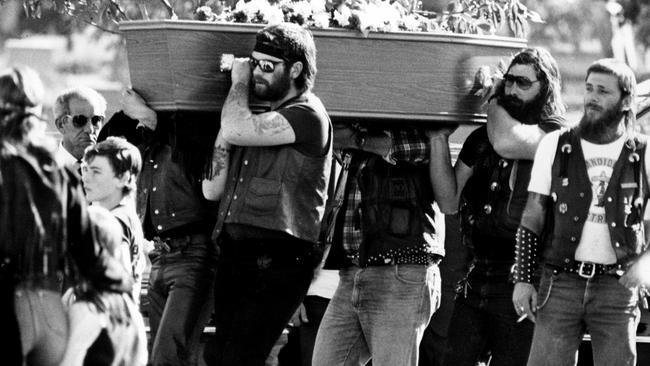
626, 198
398, 215
276, 188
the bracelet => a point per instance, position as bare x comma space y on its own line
525, 255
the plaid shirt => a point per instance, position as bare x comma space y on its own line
407, 146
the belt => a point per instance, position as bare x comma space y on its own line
425, 259
180, 242
589, 269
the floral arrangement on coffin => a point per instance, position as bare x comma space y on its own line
460, 16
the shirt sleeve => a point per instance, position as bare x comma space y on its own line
474, 146
408, 145
540, 175
309, 127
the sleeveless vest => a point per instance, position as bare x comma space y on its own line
571, 195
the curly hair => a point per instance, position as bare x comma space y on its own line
548, 72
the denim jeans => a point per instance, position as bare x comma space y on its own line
43, 325
179, 294
378, 313
485, 320
258, 287
569, 305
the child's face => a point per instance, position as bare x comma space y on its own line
100, 182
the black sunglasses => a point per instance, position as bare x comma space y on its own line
80, 120
267, 66
523, 82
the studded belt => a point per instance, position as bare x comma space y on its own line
589, 269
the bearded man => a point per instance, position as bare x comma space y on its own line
270, 171
490, 180
592, 183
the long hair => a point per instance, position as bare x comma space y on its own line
548, 73
21, 95
626, 84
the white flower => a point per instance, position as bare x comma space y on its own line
301, 8
342, 15
321, 20
274, 15
317, 6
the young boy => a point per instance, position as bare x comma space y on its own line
109, 176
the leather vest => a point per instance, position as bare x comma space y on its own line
490, 211
398, 213
276, 188
571, 195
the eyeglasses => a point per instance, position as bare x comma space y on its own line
523, 82
80, 120
267, 66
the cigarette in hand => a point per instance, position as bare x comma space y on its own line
522, 317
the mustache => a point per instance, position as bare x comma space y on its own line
594, 106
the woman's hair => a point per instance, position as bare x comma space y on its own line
21, 95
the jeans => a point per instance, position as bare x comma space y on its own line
569, 305
43, 325
485, 321
258, 287
179, 294
378, 313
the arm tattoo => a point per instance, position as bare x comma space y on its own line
239, 95
271, 126
219, 160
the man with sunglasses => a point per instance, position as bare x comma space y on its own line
270, 171
583, 229
488, 186
79, 115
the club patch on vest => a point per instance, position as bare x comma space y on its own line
628, 185
398, 189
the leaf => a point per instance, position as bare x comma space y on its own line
534, 17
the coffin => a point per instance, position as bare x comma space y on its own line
404, 76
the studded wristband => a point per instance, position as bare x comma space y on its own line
525, 255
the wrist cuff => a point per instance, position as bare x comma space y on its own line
525, 255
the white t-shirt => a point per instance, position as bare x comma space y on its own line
595, 243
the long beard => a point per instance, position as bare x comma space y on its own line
527, 113
272, 91
595, 128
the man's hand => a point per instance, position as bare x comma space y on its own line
524, 299
134, 106
442, 132
241, 71
638, 274
345, 137
299, 317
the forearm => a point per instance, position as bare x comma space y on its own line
510, 138
442, 175
236, 112
213, 186
528, 242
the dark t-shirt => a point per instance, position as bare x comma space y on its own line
310, 123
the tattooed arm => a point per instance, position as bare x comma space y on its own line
240, 126
213, 185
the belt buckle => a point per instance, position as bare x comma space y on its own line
583, 274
